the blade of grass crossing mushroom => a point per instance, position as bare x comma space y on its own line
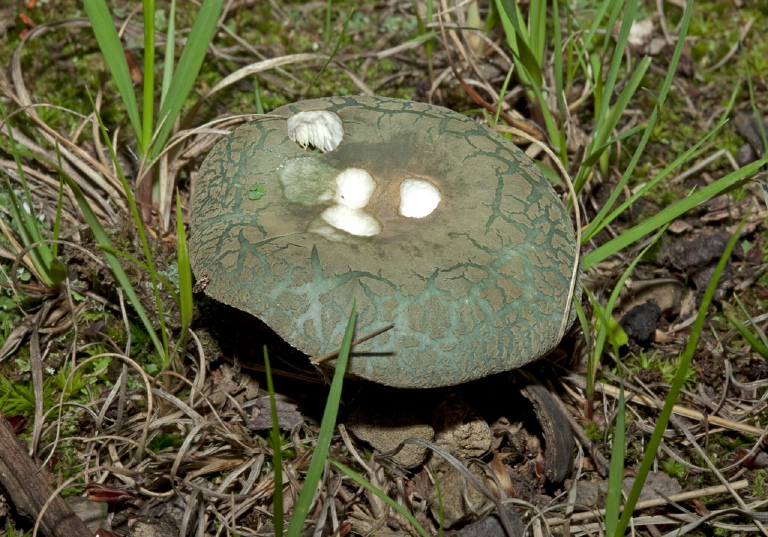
327, 426
616, 474
360, 480
677, 384
275, 443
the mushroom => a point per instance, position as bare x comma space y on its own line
433, 222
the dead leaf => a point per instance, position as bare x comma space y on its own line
657, 485
498, 468
288, 415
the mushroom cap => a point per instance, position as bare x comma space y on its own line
478, 286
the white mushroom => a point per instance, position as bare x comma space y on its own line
317, 128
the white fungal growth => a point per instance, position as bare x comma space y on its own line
418, 198
354, 187
317, 128
353, 221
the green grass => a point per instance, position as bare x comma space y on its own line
618, 524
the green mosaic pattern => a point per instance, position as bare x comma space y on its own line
477, 287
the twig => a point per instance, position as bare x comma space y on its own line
332, 354
677, 409
734, 48
656, 502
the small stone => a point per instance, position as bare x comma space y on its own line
385, 428
640, 323
154, 528
460, 429
459, 501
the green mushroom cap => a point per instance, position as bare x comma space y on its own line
433, 222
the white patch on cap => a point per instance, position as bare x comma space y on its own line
354, 187
418, 198
317, 128
353, 221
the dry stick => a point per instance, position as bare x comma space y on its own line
358, 341
656, 502
703, 164
28, 489
734, 48
679, 410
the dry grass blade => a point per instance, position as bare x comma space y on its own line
677, 409
95, 179
648, 504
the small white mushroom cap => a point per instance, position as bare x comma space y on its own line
317, 128
418, 198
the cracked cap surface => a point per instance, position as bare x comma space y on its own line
479, 286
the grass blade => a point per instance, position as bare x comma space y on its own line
327, 426
170, 53
516, 39
25, 223
639, 151
102, 239
615, 112
165, 356
602, 332
616, 474
360, 480
185, 274
186, 72
112, 50
618, 58
670, 213
148, 104
277, 454
677, 385
601, 220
